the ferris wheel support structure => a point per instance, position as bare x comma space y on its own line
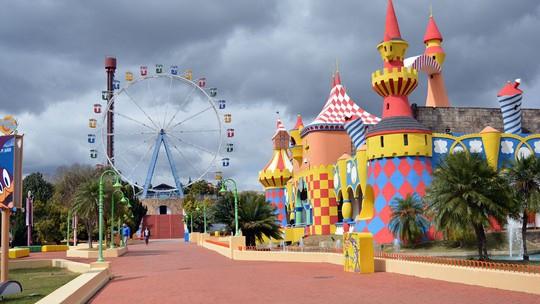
162, 139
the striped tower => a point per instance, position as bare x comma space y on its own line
357, 131
398, 147
325, 141
277, 172
510, 102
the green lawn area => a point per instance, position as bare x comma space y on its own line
37, 283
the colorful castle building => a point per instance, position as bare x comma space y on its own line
349, 166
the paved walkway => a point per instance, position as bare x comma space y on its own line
172, 272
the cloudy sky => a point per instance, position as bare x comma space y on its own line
264, 56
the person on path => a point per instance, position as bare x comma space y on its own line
126, 233
146, 234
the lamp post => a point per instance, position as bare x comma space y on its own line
235, 194
116, 185
204, 215
191, 219
123, 200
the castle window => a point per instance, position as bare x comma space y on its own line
448, 130
434, 58
425, 140
390, 48
385, 48
382, 141
388, 106
406, 139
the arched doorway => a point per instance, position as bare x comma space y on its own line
357, 202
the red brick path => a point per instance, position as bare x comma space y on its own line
171, 272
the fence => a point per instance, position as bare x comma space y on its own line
526, 268
293, 249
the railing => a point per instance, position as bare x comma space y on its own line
226, 245
526, 268
293, 249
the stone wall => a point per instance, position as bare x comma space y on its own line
153, 204
471, 120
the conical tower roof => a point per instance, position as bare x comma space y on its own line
391, 29
337, 108
432, 31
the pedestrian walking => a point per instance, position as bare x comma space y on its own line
126, 233
146, 234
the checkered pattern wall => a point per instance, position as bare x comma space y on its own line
276, 196
323, 199
393, 178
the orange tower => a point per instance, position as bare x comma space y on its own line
436, 94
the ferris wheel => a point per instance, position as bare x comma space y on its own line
168, 130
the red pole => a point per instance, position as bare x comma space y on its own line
110, 68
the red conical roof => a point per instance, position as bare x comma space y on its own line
432, 31
510, 89
391, 30
299, 123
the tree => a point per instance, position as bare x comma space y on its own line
85, 204
68, 180
50, 222
465, 193
524, 179
257, 218
408, 221
41, 189
223, 211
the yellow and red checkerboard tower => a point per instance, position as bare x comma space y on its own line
277, 172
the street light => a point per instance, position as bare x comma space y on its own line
204, 215
116, 185
235, 194
123, 200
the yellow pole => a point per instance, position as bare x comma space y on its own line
5, 245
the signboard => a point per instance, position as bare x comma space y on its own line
11, 147
358, 252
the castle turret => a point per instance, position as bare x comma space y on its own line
398, 147
277, 172
296, 141
436, 95
510, 102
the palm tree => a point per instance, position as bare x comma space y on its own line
257, 217
408, 221
465, 193
524, 179
85, 204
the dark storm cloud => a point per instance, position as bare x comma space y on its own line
264, 56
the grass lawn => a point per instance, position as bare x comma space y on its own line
37, 283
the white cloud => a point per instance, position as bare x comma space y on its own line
440, 146
475, 146
507, 147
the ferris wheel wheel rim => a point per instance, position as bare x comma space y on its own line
209, 98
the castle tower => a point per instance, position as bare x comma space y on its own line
324, 141
510, 102
436, 94
277, 172
398, 147
296, 142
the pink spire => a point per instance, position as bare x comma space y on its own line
299, 123
280, 126
337, 79
391, 30
432, 31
